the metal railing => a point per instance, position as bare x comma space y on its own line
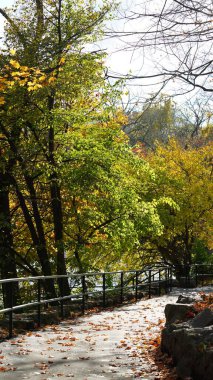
194, 275
96, 289
202, 273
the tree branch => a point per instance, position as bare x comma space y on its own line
14, 27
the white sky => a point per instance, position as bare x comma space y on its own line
4, 3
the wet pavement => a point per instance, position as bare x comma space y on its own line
111, 344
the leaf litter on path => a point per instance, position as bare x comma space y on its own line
130, 336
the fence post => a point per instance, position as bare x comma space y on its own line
188, 276
122, 285
150, 279
10, 286
167, 287
83, 290
170, 279
104, 289
196, 276
136, 286
62, 295
39, 300
202, 272
159, 283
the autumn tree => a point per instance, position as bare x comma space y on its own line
75, 185
185, 176
40, 37
106, 204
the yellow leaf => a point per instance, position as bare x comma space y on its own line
15, 64
24, 68
37, 86
62, 60
42, 78
2, 100
11, 83
2, 86
23, 82
24, 75
51, 79
15, 73
12, 51
33, 86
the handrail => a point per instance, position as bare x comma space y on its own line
33, 278
141, 280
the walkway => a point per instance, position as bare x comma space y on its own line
113, 344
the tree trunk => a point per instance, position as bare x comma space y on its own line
7, 258
58, 235
39, 243
56, 202
33, 221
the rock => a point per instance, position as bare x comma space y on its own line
188, 300
188, 346
204, 366
177, 312
189, 342
203, 319
168, 334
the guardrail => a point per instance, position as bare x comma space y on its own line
97, 288
100, 288
202, 273
193, 275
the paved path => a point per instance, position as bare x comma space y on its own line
112, 344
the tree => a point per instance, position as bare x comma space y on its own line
40, 37
185, 176
75, 185
155, 122
179, 33
7, 261
106, 204
194, 122
190, 122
